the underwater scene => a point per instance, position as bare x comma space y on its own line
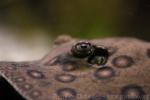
74, 49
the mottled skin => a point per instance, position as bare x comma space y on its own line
128, 68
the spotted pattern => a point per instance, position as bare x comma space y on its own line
66, 62
104, 73
26, 86
14, 66
123, 61
20, 79
132, 92
69, 67
66, 93
35, 74
35, 93
97, 98
65, 78
129, 92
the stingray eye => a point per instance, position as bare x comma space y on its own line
82, 49
99, 57
99, 60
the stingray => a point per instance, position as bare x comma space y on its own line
57, 76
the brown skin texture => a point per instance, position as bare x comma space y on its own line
126, 72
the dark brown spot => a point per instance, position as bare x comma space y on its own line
148, 52
123, 61
104, 73
65, 78
35, 94
132, 92
67, 93
35, 74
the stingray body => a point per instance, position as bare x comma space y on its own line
59, 76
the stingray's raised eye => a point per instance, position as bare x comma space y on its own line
95, 54
99, 57
82, 49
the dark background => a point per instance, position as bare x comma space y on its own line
28, 27
80, 18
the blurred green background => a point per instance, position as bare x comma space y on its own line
80, 18
34, 24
